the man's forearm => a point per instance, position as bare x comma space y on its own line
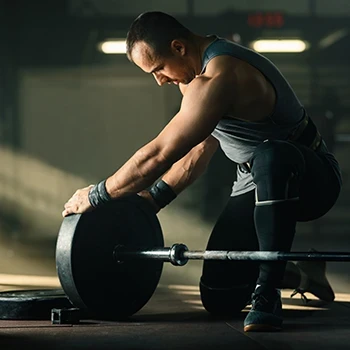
184, 172
148, 164
139, 172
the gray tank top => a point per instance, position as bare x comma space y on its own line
238, 139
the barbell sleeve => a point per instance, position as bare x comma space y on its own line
174, 254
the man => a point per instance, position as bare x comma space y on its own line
238, 99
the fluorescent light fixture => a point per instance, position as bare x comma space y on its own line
113, 46
279, 45
333, 38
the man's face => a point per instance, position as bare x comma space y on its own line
171, 69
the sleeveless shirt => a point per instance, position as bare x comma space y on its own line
238, 138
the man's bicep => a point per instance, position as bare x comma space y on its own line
202, 107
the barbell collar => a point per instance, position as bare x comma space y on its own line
177, 254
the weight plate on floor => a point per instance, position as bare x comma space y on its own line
89, 274
31, 304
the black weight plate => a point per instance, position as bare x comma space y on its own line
88, 272
31, 304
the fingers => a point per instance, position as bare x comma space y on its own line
67, 210
78, 203
70, 207
69, 203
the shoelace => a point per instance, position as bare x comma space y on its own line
258, 299
302, 295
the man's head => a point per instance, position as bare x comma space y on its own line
159, 44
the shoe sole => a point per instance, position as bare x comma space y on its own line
261, 328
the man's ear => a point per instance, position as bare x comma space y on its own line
178, 47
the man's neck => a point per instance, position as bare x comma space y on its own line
201, 44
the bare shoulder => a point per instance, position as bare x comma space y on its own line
219, 77
253, 97
182, 88
232, 68
220, 70
222, 65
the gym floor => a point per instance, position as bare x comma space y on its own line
174, 317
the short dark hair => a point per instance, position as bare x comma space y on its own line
157, 29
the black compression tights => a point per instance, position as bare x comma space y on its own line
236, 230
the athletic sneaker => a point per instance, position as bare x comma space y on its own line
266, 311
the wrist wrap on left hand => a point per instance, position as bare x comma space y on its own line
162, 194
98, 194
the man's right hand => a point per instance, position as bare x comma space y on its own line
145, 194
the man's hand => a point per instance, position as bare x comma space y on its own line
145, 194
78, 203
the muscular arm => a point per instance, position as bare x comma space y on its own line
189, 168
206, 100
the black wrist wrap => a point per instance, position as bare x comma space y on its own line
162, 193
98, 194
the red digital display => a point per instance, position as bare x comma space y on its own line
266, 20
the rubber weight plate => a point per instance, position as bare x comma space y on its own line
31, 304
88, 272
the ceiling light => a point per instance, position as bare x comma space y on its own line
333, 38
115, 46
279, 45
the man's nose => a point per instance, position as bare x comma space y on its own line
160, 79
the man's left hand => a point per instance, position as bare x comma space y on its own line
79, 202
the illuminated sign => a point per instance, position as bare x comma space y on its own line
266, 20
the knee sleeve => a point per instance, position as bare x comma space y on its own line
277, 168
225, 301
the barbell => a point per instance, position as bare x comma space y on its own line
178, 254
109, 261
